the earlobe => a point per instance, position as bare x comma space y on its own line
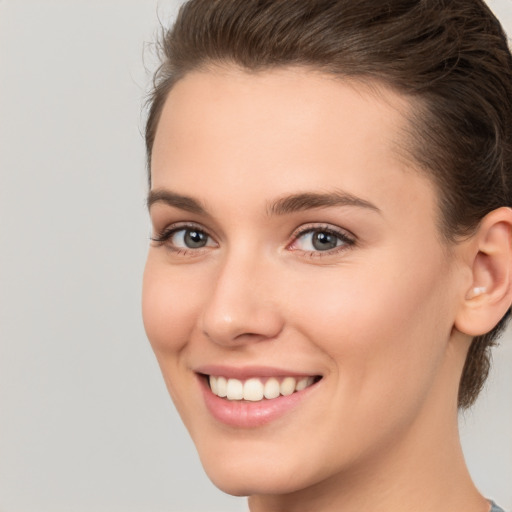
489, 295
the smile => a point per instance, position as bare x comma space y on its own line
253, 397
257, 389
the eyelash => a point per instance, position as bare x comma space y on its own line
347, 240
164, 237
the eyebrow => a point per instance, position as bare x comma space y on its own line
176, 200
310, 200
282, 206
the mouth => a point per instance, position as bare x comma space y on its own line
257, 389
251, 397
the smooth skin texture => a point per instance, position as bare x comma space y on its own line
384, 311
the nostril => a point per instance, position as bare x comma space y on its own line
236, 313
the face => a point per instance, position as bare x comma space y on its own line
295, 266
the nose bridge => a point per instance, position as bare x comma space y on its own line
241, 305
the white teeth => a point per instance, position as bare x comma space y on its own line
254, 390
303, 383
271, 388
213, 385
222, 387
235, 389
287, 386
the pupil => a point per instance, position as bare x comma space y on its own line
195, 239
324, 241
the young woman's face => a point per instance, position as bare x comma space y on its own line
294, 249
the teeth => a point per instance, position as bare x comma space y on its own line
287, 386
214, 385
254, 390
271, 388
222, 387
235, 389
302, 384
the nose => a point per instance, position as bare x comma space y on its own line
241, 307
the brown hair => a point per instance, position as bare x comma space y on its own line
450, 57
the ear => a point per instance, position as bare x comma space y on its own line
489, 294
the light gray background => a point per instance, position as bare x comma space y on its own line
85, 421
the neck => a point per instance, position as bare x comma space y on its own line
431, 477
422, 469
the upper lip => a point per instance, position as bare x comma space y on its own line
246, 372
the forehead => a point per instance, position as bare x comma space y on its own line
288, 103
283, 131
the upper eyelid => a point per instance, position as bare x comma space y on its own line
165, 233
209, 226
308, 228
176, 226
348, 239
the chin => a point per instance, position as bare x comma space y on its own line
249, 483
246, 473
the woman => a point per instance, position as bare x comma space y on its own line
331, 257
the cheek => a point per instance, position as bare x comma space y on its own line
170, 301
169, 306
382, 327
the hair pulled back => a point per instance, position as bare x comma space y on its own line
449, 57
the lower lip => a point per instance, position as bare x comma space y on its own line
246, 414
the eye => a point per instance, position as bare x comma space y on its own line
320, 239
189, 238
184, 238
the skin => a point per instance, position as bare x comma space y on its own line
377, 317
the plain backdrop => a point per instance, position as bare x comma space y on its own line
85, 421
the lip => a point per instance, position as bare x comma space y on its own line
246, 414
246, 372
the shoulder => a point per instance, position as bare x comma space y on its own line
495, 508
